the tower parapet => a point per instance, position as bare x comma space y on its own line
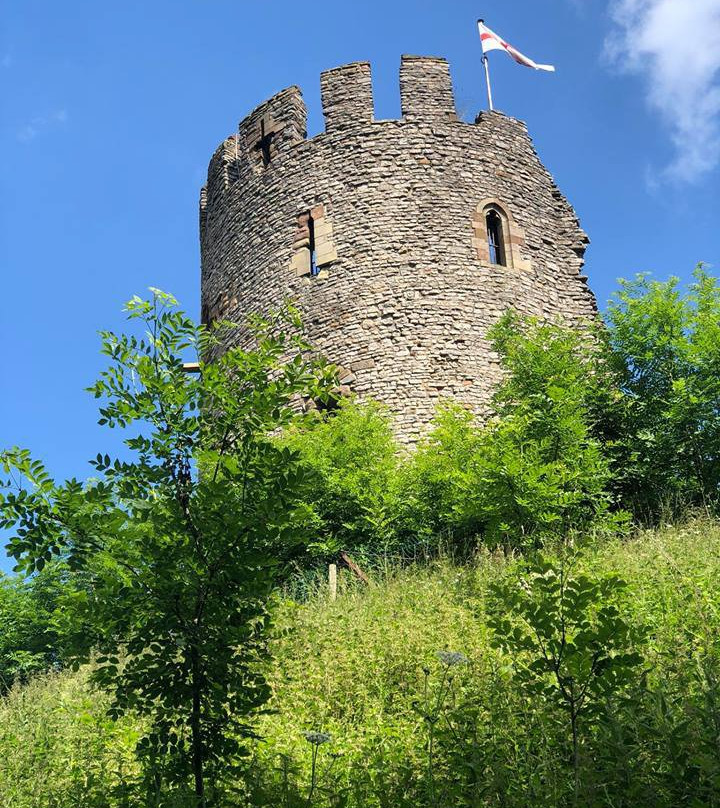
426, 91
403, 241
347, 97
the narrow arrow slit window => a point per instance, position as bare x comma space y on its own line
312, 248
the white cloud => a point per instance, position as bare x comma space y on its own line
675, 46
37, 125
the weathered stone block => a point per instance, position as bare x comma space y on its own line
363, 364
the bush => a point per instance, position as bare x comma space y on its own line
588, 424
665, 346
29, 638
438, 482
544, 473
352, 459
572, 646
534, 472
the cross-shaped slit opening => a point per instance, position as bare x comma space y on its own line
263, 144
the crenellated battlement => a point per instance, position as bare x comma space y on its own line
347, 96
403, 241
278, 126
279, 123
426, 91
273, 127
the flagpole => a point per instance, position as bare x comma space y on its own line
487, 77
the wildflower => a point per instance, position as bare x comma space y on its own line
451, 658
317, 738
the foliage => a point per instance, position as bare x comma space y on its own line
534, 472
665, 346
438, 482
544, 474
351, 458
568, 636
181, 543
588, 424
29, 638
432, 709
355, 669
60, 747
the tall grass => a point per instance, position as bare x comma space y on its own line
59, 749
363, 670
356, 668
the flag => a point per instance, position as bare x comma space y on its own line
491, 41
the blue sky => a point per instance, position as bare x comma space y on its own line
110, 112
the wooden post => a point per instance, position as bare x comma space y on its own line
332, 579
351, 565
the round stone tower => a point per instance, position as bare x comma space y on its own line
402, 241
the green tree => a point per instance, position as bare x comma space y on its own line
352, 457
439, 482
541, 472
29, 640
665, 347
179, 543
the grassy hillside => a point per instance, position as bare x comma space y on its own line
365, 670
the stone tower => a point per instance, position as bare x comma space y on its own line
402, 241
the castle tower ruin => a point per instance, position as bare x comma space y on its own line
402, 241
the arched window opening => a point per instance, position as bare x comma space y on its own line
497, 238
496, 245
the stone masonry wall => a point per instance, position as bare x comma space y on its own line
402, 292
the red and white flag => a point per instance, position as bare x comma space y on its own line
491, 41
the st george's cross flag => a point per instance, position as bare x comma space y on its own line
491, 41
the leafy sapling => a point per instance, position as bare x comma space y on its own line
179, 542
571, 643
432, 707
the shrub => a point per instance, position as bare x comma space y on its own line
438, 481
534, 471
570, 640
544, 474
29, 639
352, 459
665, 346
